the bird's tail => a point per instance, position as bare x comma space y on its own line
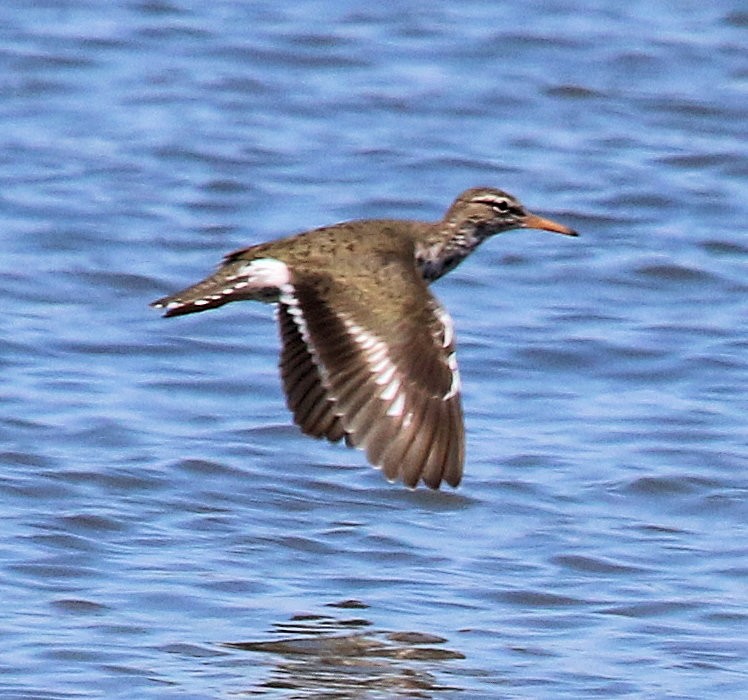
235, 280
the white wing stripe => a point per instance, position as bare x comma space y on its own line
390, 391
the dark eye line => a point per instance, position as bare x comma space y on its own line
503, 206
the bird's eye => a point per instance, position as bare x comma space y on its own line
502, 205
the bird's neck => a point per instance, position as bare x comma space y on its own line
446, 246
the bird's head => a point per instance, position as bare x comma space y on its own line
492, 211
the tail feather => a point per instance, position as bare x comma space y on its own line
234, 281
199, 297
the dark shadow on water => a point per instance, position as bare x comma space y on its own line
324, 656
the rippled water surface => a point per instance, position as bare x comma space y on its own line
167, 532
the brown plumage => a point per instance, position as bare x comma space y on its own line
368, 353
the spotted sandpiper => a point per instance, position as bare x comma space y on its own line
368, 353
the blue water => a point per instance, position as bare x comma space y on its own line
167, 532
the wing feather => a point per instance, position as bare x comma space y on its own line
389, 384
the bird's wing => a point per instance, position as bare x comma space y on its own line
373, 357
306, 394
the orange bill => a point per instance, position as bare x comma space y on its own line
534, 221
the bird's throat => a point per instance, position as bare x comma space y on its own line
437, 256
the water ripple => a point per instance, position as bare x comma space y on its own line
168, 531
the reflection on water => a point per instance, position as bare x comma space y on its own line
327, 656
